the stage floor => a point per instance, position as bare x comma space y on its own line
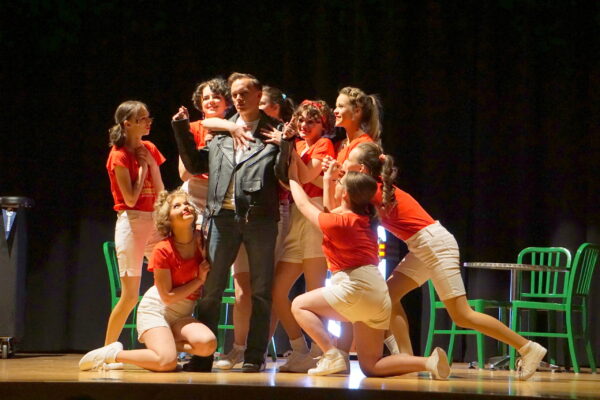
56, 376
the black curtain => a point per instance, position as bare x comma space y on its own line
491, 110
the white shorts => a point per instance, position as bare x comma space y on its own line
135, 237
360, 295
304, 239
433, 254
153, 313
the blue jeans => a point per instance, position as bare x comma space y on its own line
227, 232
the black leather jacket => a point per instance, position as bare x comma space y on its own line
255, 177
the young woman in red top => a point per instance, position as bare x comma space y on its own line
358, 293
164, 321
302, 252
135, 180
433, 254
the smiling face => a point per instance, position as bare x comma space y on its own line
309, 127
344, 112
181, 212
246, 97
213, 105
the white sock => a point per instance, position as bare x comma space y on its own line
391, 344
239, 347
299, 345
525, 349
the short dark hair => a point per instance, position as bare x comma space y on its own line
216, 85
239, 75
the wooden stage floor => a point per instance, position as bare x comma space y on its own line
56, 376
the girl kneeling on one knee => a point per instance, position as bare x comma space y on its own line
358, 293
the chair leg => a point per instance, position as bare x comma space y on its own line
571, 340
451, 344
586, 337
430, 333
273, 350
515, 327
552, 327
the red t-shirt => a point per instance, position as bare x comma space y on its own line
406, 218
344, 152
166, 256
119, 156
348, 241
199, 132
321, 148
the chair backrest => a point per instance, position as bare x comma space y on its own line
544, 284
112, 266
584, 264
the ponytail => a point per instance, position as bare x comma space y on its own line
371, 110
125, 111
381, 167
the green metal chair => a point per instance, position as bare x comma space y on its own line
227, 303
112, 266
559, 294
479, 305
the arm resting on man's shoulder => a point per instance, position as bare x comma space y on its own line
195, 161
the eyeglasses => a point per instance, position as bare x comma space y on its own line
145, 119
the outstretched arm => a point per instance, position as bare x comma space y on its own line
240, 135
195, 161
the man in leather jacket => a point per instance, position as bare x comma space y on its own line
242, 207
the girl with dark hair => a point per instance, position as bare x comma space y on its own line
164, 321
276, 104
433, 254
358, 293
135, 181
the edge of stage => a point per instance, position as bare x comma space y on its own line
56, 376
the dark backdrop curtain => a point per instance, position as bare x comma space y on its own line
490, 109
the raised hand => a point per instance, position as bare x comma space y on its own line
333, 172
182, 113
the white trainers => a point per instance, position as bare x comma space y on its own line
111, 366
437, 364
529, 361
298, 362
96, 358
231, 359
331, 362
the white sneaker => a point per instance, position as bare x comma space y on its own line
111, 366
298, 362
231, 359
331, 362
529, 361
95, 358
437, 364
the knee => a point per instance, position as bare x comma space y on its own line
166, 362
297, 305
206, 348
367, 369
464, 319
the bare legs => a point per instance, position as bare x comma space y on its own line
315, 271
242, 308
398, 286
163, 343
458, 309
308, 310
130, 288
